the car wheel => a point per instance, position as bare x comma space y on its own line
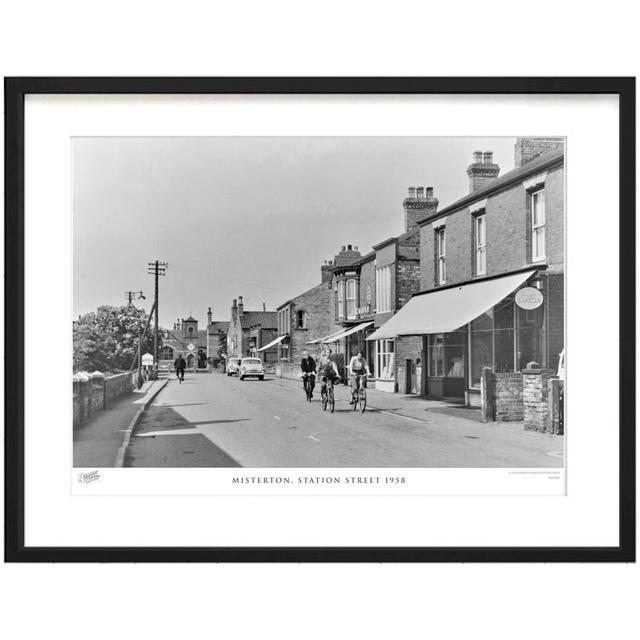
241, 377
260, 377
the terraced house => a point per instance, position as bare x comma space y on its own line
491, 276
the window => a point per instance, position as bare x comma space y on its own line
301, 319
384, 360
190, 330
538, 249
340, 307
441, 253
446, 355
166, 353
480, 236
351, 298
383, 289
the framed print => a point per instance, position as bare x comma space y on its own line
320, 319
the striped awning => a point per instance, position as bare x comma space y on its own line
347, 332
273, 343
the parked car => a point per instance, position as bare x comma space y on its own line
251, 368
233, 366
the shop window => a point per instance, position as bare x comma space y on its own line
446, 355
480, 346
383, 289
385, 359
503, 324
441, 255
480, 244
530, 335
538, 228
351, 298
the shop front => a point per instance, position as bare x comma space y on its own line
498, 322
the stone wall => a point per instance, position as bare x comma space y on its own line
95, 392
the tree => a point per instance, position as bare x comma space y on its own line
107, 339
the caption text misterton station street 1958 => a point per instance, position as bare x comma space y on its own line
318, 480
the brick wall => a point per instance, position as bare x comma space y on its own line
507, 219
509, 405
408, 280
408, 348
535, 396
317, 303
526, 149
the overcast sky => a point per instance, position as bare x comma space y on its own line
244, 216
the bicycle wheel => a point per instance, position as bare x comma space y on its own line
324, 400
362, 400
308, 389
332, 399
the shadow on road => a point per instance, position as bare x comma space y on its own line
166, 449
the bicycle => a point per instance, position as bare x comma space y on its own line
359, 395
180, 375
328, 398
308, 385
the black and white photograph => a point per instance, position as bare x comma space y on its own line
361, 302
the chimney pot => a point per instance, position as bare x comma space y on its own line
348, 247
264, 306
477, 157
412, 192
420, 192
488, 157
429, 192
344, 248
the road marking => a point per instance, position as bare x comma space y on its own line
169, 432
276, 417
399, 415
314, 439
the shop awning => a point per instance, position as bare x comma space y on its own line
347, 332
321, 340
273, 343
442, 311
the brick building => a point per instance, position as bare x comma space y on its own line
491, 275
306, 319
196, 346
251, 332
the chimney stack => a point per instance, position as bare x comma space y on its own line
482, 171
209, 316
420, 204
325, 272
240, 305
527, 149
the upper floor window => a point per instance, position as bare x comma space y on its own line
480, 240
383, 289
351, 298
301, 319
538, 248
441, 254
340, 305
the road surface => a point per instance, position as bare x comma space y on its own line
212, 420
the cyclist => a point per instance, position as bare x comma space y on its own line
358, 369
308, 367
327, 369
180, 364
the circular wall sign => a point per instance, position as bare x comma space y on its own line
529, 298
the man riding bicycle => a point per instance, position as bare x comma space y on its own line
358, 370
308, 368
327, 370
180, 365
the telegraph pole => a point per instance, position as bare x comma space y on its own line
129, 295
156, 269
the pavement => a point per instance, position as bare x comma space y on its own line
219, 421
96, 443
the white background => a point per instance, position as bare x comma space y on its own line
329, 39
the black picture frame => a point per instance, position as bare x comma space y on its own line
15, 91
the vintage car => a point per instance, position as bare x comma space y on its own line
233, 366
251, 368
